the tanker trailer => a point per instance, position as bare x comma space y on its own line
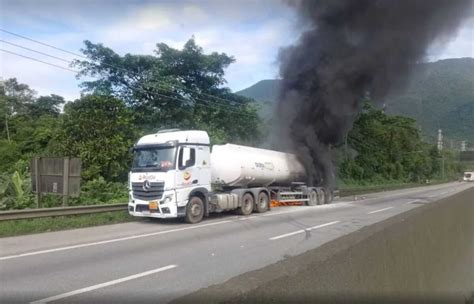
175, 174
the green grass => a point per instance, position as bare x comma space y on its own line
363, 189
47, 224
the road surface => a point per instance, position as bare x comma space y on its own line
156, 260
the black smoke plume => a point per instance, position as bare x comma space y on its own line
352, 50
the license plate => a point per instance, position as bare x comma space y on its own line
153, 205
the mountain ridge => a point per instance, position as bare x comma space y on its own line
438, 95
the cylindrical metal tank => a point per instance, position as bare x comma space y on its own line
241, 166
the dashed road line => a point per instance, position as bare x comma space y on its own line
379, 210
102, 285
302, 231
14, 256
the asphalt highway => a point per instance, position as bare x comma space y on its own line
157, 260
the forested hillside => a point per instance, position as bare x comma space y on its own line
439, 95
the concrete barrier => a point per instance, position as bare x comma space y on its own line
425, 255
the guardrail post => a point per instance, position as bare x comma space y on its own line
66, 181
37, 182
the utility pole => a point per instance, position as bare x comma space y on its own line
463, 146
440, 140
345, 146
442, 166
6, 125
440, 149
6, 111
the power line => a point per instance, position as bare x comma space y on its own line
139, 88
41, 61
35, 51
42, 43
70, 62
106, 64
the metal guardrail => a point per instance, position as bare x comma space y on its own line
60, 211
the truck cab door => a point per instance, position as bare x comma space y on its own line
187, 176
192, 171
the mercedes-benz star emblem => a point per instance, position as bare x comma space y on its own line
146, 185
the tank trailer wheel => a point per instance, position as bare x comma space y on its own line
313, 197
262, 202
194, 210
247, 204
328, 196
322, 196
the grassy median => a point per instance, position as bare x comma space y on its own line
47, 224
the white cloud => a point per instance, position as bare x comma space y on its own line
250, 30
457, 45
44, 79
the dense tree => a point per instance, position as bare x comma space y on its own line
26, 121
386, 148
99, 130
46, 105
173, 88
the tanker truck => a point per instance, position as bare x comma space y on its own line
175, 174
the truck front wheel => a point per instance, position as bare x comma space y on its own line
247, 204
194, 210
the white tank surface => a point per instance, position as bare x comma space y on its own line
241, 166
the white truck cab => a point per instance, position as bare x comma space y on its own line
167, 167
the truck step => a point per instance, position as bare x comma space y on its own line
291, 193
294, 200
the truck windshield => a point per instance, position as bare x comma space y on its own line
153, 159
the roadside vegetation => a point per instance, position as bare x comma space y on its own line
127, 96
48, 224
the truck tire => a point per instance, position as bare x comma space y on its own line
194, 210
321, 196
328, 196
313, 197
262, 202
247, 204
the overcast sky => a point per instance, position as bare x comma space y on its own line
250, 30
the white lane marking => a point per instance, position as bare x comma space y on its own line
232, 220
302, 230
380, 210
309, 208
109, 241
102, 285
335, 205
411, 202
400, 192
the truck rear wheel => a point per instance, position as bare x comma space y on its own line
313, 197
194, 210
262, 202
247, 204
328, 194
322, 196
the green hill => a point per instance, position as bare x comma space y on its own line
439, 95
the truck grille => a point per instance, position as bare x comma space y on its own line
155, 192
